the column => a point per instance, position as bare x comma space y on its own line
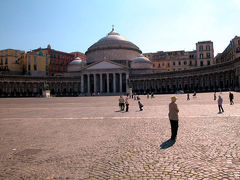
82, 84
120, 82
114, 82
95, 83
127, 76
101, 83
88, 83
107, 82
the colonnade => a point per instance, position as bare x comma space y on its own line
202, 82
104, 82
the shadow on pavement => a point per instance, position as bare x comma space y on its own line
167, 144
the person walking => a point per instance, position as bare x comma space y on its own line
173, 117
127, 103
121, 103
214, 96
188, 98
231, 98
220, 101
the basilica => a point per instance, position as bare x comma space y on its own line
116, 66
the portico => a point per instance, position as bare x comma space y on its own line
104, 77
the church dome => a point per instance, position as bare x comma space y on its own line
141, 59
75, 65
112, 47
141, 62
77, 61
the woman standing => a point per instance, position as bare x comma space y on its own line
173, 117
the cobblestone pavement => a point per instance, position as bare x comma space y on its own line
89, 138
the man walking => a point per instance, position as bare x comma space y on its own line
220, 101
173, 117
231, 98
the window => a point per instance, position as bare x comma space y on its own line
195, 63
174, 63
6, 61
29, 67
200, 48
201, 56
153, 65
35, 67
208, 55
201, 63
185, 62
190, 63
179, 63
208, 63
208, 48
168, 64
159, 65
1, 61
239, 41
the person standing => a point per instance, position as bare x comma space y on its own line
214, 96
121, 103
126, 103
231, 98
220, 101
188, 98
173, 117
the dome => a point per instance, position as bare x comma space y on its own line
75, 65
76, 61
112, 47
141, 59
141, 62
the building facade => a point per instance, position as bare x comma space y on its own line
183, 60
231, 52
10, 61
36, 64
58, 59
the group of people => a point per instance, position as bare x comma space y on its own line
173, 109
220, 101
123, 103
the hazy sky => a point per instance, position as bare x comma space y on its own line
153, 25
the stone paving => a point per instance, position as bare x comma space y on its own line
89, 138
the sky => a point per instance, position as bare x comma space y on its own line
153, 25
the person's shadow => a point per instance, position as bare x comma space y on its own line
167, 144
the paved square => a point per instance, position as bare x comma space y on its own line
88, 138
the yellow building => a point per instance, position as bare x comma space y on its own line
36, 64
10, 61
183, 60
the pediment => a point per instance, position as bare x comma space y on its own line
104, 65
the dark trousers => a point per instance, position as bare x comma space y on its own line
122, 106
127, 107
220, 108
174, 128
